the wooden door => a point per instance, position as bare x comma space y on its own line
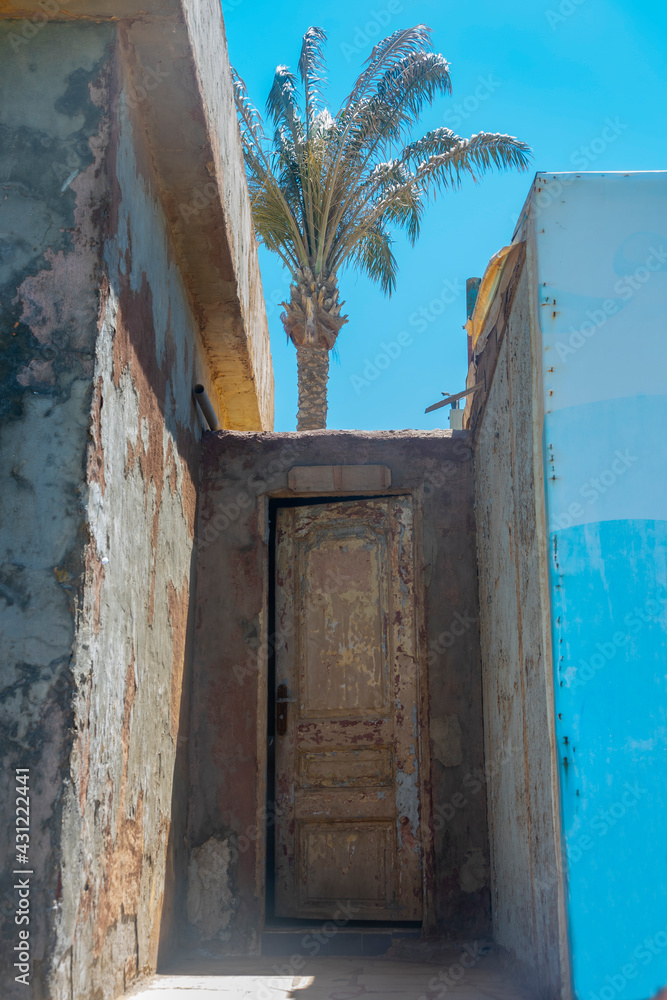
347, 790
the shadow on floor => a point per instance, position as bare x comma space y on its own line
468, 971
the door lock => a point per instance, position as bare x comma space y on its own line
282, 701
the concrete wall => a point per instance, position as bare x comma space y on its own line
103, 337
132, 640
568, 422
228, 741
518, 697
53, 126
600, 284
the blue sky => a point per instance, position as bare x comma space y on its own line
563, 75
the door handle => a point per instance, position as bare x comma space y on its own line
282, 701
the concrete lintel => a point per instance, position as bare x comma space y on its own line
175, 53
336, 478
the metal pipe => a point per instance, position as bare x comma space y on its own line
452, 399
206, 406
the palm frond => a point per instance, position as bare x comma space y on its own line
379, 122
472, 157
250, 120
323, 125
311, 71
287, 169
438, 140
397, 197
373, 255
397, 103
401, 43
328, 191
275, 224
404, 208
415, 81
282, 104
394, 198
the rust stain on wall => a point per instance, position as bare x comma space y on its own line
95, 451
119, 891
84, 768
178, 601
134, 349
94, 569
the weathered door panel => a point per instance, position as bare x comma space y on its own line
347, 798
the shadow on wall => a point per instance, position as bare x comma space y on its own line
174, 906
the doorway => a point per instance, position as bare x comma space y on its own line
343, 763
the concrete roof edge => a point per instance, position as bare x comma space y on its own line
95, 10
543, 178
205, 27
438, 433
189, 119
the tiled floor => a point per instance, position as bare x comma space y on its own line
444, 978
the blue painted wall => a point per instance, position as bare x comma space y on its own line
600, 245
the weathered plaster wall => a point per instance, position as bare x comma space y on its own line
228, 745
99, 439
516, 661
124, 822
53, 129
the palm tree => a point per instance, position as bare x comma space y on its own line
326, 191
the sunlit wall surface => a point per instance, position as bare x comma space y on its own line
600, 281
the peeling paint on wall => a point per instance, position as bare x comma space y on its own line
100, 436
53, 123
515, 661
142, 488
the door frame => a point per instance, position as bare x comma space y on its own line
265, 841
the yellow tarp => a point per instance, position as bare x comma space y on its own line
487, 290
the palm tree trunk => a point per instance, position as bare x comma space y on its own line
313, 371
